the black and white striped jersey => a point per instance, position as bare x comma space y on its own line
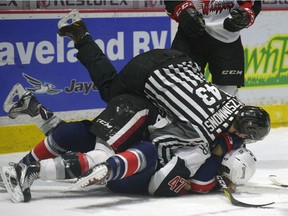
180, 90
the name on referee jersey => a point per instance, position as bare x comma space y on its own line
225, 114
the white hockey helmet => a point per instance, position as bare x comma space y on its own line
239, 165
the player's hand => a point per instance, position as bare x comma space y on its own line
231, 186
238, 19
192, 23
187, 185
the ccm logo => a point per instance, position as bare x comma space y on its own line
232, 72
104, 123
183, 7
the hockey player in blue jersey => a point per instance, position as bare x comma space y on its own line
128, 171
71, 149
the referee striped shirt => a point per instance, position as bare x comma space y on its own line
182, 91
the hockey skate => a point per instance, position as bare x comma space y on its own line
96, 175
26, 103
18, 179
16, 91
72, 26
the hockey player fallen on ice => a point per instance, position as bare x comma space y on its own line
139, 159
129, 171
197, 112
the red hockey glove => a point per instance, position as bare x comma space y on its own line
239, 19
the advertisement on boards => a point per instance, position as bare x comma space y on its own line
31, 53
107, 4
266, 60
80, 4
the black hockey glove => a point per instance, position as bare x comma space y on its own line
192, 23
239, 19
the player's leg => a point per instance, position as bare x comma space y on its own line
196, 49
227, 65
100, 69
125, 121
22, 102
125, 172
19, 178
71, 136
138, 181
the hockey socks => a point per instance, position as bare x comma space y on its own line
132, 161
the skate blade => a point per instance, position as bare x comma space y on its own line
96, 177
1, 180
2, 184
14, 191
72, 17
17, 91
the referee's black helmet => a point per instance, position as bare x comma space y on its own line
254, 122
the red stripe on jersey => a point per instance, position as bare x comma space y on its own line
132, 162
229, 142
128, 130
202, 187
41, 151
83, 162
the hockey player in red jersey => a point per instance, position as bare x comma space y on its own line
209, 32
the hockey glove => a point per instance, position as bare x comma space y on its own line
192, 23
239, 19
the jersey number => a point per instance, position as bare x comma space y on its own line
208, 94
177, 183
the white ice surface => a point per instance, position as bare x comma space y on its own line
52, 199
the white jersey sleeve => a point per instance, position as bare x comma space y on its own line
194, 156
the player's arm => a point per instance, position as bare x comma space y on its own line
243, 16
204, 179
190, 21
170, 180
